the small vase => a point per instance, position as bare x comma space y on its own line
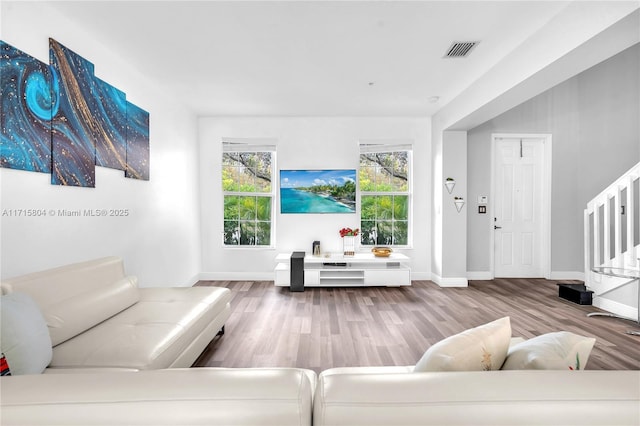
349, 246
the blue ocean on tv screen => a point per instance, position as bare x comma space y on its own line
296, 195
295, 201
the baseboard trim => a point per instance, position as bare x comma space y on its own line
479, 275
616, 308
420, 276
450, 281
237, 276
567, 275
555, 275
270, 276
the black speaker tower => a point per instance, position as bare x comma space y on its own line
297, 271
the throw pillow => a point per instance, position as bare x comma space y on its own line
561, 350
4, 366
24, 335
481, 348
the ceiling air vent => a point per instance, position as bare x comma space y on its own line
460, 49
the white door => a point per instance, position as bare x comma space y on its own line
518, 213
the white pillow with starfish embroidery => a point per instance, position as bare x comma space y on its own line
482, 348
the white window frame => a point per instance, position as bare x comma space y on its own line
252, 145
378, 146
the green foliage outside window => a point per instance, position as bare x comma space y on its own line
246, 183
384, 200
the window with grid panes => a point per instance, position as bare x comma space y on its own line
248, 193
385, 195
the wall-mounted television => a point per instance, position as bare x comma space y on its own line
318, 191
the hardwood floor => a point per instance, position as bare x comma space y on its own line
322, 328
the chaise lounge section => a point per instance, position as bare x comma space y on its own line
98, 317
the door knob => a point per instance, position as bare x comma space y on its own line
497, 227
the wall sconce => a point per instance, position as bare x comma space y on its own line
450, 183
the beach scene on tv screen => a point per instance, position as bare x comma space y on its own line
317, 191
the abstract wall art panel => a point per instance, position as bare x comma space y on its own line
110, 112
27, 106
63, 120
73, 126
137, 143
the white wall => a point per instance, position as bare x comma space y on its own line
159, 240
454, 222
593, 119
306, 143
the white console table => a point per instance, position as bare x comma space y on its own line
336, 270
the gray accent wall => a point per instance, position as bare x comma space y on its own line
594, 120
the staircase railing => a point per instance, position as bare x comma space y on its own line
612, 246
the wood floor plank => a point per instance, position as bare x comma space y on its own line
322, 328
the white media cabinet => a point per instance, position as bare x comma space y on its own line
336, 270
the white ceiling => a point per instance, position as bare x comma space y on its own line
327, 58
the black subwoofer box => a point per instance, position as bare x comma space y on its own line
576, 293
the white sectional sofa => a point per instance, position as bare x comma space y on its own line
286, 396
98, 317
118, 351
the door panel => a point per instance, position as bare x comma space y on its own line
507, 249
519, 165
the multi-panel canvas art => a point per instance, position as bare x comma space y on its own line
62, 119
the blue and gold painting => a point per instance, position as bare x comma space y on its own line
73, 126
27, 106
109, 108
63, 120
137, 143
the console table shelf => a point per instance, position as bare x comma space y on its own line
336, 270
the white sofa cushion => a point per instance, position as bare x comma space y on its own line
561, 350
479, 398
76, 297
70, 317
477, 349
151, 334
24, 336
